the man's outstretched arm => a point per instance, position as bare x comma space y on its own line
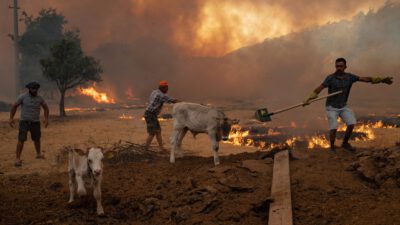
376, 80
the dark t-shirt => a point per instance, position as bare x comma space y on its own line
337, 82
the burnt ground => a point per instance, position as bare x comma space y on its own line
147, 189
327, 190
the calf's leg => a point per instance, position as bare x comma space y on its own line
71, 174
81, 185
97, 196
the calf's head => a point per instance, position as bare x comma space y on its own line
224, 128
95, 157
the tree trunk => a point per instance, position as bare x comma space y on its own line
62, 105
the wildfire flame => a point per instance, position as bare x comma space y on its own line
159, 119
241, 137
100, 97
318, 141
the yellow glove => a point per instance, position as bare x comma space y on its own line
386, 80
312, 96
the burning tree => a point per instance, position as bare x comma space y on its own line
69, 67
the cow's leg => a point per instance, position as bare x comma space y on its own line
174, 143
81, 185
71, 174
97, 196
181, 136
215, 146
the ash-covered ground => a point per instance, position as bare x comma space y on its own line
341, 188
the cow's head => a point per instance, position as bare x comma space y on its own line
95, 157
224, 128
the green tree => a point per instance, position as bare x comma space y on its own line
68, 67
41, 33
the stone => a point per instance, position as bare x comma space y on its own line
256, 166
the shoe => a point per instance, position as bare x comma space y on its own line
18, 163
348, 147
332, 149
40, 156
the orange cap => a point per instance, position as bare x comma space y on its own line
163, 83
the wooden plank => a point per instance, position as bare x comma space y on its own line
280, 211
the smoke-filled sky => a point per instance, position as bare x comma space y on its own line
286, 48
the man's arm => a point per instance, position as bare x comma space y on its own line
13, 110
170, 100
319, 89
46, 113
376, 80
313, 95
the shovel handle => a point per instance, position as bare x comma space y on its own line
301, 104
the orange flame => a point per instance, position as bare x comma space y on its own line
100, 97
125, 117
240, 137
159, 119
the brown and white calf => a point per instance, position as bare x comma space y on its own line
86, 168
197, 119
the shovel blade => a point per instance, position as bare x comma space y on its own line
263, 115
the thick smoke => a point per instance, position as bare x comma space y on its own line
142, 42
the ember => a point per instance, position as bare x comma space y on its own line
126, 117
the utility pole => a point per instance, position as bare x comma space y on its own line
15, 38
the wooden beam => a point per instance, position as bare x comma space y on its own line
280, 211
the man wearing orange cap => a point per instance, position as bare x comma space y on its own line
157, 99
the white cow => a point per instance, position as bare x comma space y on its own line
86, 168
197, 119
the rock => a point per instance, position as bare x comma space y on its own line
55, 186
255, 166
210, 206
181, 214
193, 198
261, 208
220, 169
269, 161
191, 182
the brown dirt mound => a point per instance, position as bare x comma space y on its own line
138, 189
378, 166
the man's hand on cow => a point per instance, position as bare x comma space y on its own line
11, 122
46, 123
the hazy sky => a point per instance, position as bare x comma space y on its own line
142, 41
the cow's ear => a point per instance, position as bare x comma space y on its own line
80, 152
109, 154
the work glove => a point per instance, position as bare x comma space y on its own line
312, 96
386, 80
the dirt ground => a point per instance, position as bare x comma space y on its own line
150, 190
